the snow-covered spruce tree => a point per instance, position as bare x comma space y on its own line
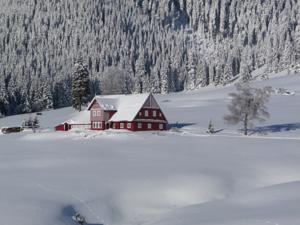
80, 86
3, 100
248, 104
245, 73
210, 129
221, 32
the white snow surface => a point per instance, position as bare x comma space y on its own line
181, 176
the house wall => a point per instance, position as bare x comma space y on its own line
100, 116
80, 126
102, 127
94, 116
60, 127
135, 126
154, 126
64, 127
151, 115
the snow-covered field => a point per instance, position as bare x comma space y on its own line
182, 176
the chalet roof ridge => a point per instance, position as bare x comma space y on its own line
123, 95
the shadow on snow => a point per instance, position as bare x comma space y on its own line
276, 128
67, 213
179, 125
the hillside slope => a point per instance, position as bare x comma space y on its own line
180, 176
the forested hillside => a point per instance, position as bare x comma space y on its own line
144, 45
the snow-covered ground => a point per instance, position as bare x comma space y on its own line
182, 176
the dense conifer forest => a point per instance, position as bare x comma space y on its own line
133, 46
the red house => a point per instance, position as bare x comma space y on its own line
130, 112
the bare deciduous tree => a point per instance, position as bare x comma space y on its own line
248, 104
116, 81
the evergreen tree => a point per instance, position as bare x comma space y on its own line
141, 36
245, 73
80, 86
210, 129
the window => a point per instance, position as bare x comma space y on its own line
98, 113
149, 126
128, 125
140, 126
114, 126
161, 126
140, 113
121, 125
154, 113
95, 125
160, 115
146, 113
94, 113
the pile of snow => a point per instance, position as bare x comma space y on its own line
283, 91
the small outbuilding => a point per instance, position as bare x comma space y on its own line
80, 121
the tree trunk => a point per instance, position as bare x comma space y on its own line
80, 103
246, 124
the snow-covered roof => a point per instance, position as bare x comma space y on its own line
127, 106
106, 102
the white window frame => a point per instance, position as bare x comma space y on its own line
129, 126
122, 126
146, 113
149, 126
161, 126
160, 114
99, 113
154, 113
140, 113
94, 113
140, 125
100, 125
